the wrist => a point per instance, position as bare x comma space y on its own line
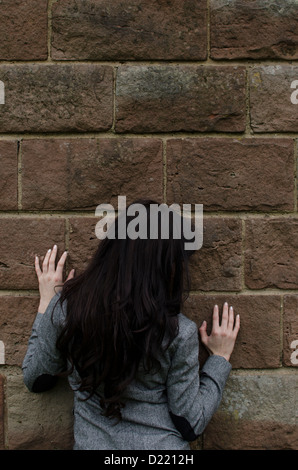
43, 304
225, 356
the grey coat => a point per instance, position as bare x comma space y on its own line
163, 411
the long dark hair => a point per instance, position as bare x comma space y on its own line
122, 311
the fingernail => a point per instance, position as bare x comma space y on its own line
55, 246
231, 308
49, 250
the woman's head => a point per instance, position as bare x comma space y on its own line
122, 310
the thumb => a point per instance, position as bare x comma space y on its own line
203, 332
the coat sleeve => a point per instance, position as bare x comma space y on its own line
193, 398
42, 360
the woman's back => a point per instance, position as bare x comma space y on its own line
164, 409
131, 357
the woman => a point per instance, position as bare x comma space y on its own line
131, 357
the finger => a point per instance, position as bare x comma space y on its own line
52, 258
225, 315
71, 275
231, 318
203, 332
215, 318
45, 264
237, 325
37, 267
60, 265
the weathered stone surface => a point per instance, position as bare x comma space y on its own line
23, 33
290, 331
120, 30
82, 242
17, 314
21, 239
271, 98
168, 98
9, 175
257, 413
89, 172
56, 98
270, 253
231, 174
42, 421
217, 265
2, 436
258, 342
262, 29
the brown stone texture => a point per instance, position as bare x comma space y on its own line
135, 30
89, 172
21, 239
271, 98
82, 242
258, 342
2, 404
231, 174
168, 98
271, 253
56, 98
258, 412
23, 32
38, 421
17, 314
186, 102
217, 265
290, 331
9, 176
258, 29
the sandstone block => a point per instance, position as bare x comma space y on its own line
217, 265
263, 29
56, 98
17, 314
258, 342
21, 239
89, 172
135, 30
257, 413
273, 98
9, 175
171, 98
39, 421
290, 331
270, 250
231, 174
82, 242
23, 33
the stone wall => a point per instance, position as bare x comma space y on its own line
187, 101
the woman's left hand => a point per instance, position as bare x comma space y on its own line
50, 279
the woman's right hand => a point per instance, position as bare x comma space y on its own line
50, 277
222, 339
